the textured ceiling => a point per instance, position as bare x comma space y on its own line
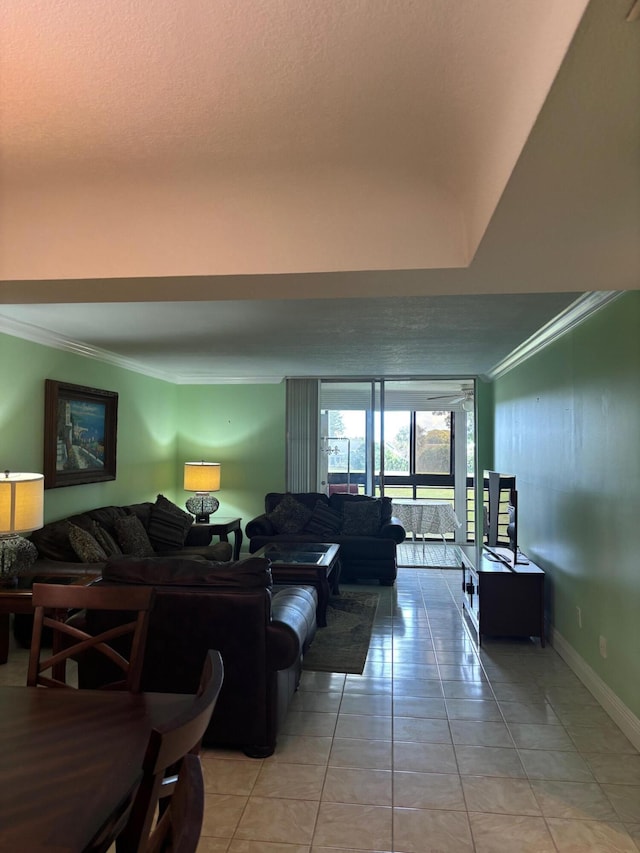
264, 341
315, 188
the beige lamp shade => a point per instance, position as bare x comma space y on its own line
21, 502
201, 476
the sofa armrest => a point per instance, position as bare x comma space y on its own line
393, 530
198, 535
260, 526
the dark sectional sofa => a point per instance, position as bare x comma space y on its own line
261, 633
361, 525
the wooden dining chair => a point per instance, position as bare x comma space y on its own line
179, 827
51, 605
167, 748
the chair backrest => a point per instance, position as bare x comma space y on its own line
166, 750
51, 606
178, 829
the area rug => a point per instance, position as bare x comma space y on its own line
343, 645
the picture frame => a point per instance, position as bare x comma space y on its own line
80, 432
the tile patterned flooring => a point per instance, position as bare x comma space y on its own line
434, 749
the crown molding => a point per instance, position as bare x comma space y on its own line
38, 335
569, 319
198, 379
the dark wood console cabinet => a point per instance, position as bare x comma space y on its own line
500, 600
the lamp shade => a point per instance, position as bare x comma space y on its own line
21, 502
201, 476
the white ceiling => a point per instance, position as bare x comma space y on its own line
248, 189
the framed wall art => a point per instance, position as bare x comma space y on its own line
80, 426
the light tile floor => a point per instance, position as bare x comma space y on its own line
434, 748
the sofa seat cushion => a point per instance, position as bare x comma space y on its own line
253, 572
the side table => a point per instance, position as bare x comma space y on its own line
222, 527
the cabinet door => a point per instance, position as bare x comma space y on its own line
511, 605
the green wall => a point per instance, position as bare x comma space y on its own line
147, 424
567, 423
160, 426
243, 428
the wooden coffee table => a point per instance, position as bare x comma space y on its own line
313, 563
19, 601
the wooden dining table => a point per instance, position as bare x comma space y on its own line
70, 761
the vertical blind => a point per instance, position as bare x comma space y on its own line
303, 430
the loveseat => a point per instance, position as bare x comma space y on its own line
361, 525
261, 633
82, 543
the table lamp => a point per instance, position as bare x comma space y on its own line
21, 511
202, 478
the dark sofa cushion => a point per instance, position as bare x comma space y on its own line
339, 500
308, 499
132, 537
251, 573
105, 540
290, 516
168, 525
324, 521
86, 547
361, 518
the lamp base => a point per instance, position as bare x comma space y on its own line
17, 555
202, 505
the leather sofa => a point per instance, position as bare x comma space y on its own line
261, 633
370, 556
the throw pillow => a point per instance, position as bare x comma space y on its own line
290, 516
105, 540
85, 546
338, 500
361, 518
324, 521
168, 525
132, 537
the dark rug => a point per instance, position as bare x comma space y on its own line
343, 645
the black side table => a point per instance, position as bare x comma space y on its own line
222, 527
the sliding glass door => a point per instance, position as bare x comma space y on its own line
347, 418
406, 439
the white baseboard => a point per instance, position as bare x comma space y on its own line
617, 710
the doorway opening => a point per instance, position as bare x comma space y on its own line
412, 440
